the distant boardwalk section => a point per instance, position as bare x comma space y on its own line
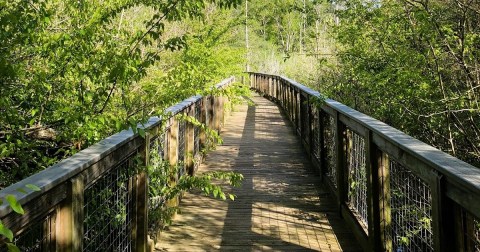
281, 206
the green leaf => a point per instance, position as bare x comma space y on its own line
22, 190
14, 204
232, 197
12, 247
6, 232
33, 187
141, 132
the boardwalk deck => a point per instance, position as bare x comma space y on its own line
281, 205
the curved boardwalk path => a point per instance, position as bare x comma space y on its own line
281, 205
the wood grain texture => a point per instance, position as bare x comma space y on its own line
281, 205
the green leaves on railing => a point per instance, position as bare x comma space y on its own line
16, 207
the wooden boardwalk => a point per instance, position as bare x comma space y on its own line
281, 205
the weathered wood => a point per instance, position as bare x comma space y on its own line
190, 143
357, 229
384, 199
373, 194
281, 206
341, 145
69, 223
42, 206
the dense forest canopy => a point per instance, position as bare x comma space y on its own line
73, 72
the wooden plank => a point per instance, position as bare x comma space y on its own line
190, 143
373, 194
456, 172
341, 145
36, 209
69, 223
356, 228
282, 206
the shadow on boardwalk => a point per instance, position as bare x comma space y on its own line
281, 205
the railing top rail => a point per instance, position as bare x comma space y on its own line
69, 167
455, 170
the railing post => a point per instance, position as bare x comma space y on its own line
218, 112
323, 149
211, 111
443, 216
173, 153
203, 120
69, 223
190, 142
341, 144
140, 194
377, 193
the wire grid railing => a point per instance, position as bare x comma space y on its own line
305, 119
411, 215
38, 237
108, 210
357, 177
316, 144
471, 230
182, 126
330, 149
157, 157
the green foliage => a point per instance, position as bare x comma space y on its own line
75, 72
165, 184
412, 65
16, 207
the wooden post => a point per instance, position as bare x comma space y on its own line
384, 200
211, 112
443, 216
203, 120
373, 165
190, 142
140, 189
217, 110
173, 153
323, 149
341, 144
70, 215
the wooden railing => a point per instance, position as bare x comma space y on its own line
97, 200
396, 192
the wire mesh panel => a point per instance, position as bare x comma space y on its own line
108, 210
181, 147
305, 119
411, 215
357, 177
37, 237
330, 149
316, 144
157, 172
471, 229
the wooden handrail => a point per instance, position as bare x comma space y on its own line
454, 185
72, 176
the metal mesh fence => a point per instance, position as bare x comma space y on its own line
316, 144
108, 210
410, 211
155, 181
37, 237
471, 229
305, 119
357, 177
182, 126
330, 149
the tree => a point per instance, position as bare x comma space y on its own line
70, 69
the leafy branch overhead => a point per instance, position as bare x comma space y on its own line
74, 72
